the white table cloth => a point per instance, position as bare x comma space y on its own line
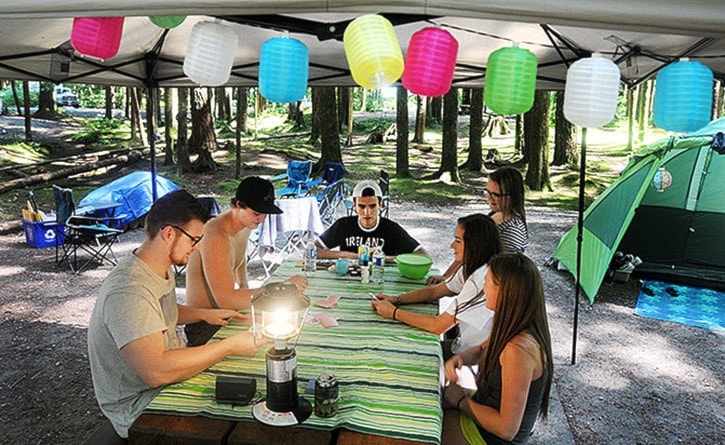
299, 220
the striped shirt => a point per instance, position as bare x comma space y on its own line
514, 235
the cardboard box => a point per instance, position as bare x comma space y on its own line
43, 234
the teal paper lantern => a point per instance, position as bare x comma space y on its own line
683, 96
167, 21
662, 179
510, 81
283, 70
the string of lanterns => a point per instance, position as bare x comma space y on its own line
683, 95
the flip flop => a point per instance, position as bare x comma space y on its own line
672, 291
648, 291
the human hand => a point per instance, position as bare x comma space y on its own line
384, 308
452, 394
221, 317
449, 368
298, 280
434, 279
247, 343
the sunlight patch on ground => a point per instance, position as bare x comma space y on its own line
7, 271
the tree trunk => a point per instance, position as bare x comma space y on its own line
136, 120
316, 112
519, 137
449, 155
350, 120
26, 106
242, 105
294, 114
169, 120
402, 164
420, 117
565, 149
435, 111
46, 103
363, 99
221, 97
630, 119
329, 131
183, 163
203, 138
475, 131
343, 106
16, 97
109, 102
642, 112
536, 136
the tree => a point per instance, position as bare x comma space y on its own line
109, 102
343, 106
316, 112
224, 112
420, 117
136, 121
242, 96
565, 149
536, 137
329, 131
203, 138
183, 163
169, 120
46, 103
402, 165
294, 114
449, 155
475, 132
435, 111
642, 110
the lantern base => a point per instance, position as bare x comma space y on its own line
289, 418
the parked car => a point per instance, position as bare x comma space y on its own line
65, 97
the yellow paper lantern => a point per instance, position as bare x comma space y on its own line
373, 52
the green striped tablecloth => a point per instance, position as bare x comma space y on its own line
388, 372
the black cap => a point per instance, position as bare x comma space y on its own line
257, 194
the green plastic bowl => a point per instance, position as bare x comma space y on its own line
413, 265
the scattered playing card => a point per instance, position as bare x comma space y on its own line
328, 302
327, 320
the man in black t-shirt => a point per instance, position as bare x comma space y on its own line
367, 228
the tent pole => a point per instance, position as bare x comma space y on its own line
151, 129
579, 238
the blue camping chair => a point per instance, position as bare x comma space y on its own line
298, 179
332, 172
331, 199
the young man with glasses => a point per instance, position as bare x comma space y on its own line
217, 274
133, 346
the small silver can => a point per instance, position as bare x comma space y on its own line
326, 395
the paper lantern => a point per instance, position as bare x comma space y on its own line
430, 62
591, 92
510, 80
167, 21
373, 52
210, 54
97, 36
283, 70
683, 96
662, 179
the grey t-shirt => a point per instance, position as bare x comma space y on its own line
133, 302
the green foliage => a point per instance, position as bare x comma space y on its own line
9, 101
98, 131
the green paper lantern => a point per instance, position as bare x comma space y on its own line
167, 21
510, 81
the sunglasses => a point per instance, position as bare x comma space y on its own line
194, 239
495, 195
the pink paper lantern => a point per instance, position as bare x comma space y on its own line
97, 36
430, 62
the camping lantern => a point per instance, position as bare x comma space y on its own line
167, 21
210, 54
430, 62
373, 52
510, 81
662, 179
591, 92
97, 36
278, 312
683, 96
283, 69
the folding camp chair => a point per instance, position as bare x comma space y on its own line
330, 200
89, 234
332, 172
298, 180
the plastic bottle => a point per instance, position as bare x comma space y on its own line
310, 257
378, 266
365, 272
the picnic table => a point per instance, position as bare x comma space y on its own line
388, 374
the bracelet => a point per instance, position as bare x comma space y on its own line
458, 405
394, 311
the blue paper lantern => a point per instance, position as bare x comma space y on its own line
683, 96
662, 179
283, 70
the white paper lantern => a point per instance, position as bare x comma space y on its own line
591, 92
210, 54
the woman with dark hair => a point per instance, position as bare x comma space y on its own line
505, 195
515, 366
476, 240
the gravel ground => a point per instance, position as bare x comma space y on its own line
636, 380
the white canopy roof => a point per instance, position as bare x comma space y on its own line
641, 36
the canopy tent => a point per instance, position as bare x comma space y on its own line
678, 231
641, 37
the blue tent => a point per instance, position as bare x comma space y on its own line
129, 195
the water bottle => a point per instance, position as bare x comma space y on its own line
378, 265
310, 257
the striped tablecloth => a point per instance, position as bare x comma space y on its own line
388, 372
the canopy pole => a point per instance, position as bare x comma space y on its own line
579, 239
151, 129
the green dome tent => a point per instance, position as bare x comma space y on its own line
679, 233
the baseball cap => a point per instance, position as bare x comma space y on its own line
367, 188
257, 194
